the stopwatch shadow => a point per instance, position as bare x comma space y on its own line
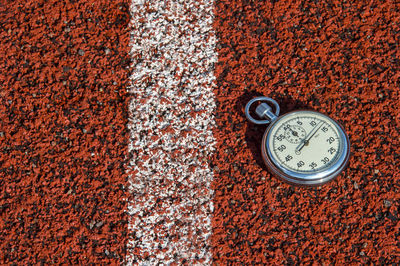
254, 133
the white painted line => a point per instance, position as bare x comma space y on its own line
171, 121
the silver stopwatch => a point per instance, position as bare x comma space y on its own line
301, 147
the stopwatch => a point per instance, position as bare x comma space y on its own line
302, 147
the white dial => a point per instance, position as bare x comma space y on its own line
306, 145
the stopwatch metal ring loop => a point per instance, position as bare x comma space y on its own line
261, 98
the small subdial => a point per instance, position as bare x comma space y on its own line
294, 133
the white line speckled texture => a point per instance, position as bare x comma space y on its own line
173, 51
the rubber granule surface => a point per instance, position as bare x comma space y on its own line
63, 135
339, 58
64, 79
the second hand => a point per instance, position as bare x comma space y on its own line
307, 138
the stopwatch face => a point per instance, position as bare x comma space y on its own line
306, 148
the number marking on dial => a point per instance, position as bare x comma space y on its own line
305, 143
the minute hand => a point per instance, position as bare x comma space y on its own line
309, 136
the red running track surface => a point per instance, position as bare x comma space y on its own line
63, 135
341, 59
63, 140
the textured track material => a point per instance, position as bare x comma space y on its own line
341, 59
64, 138
63, 135
171, 131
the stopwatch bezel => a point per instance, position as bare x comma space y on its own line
306, 179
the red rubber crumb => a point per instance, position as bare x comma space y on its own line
342, 59
63, 135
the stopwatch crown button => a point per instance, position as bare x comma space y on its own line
265, 111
